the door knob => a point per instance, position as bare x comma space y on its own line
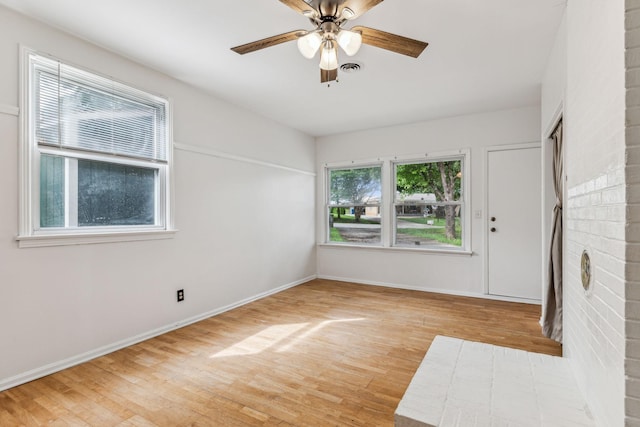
493, 219
493, 229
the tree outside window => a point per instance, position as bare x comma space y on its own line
428, 203
354, 205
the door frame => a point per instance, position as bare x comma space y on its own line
485, 227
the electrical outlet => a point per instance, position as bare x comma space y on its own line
180, 295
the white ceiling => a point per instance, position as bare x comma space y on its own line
483, 55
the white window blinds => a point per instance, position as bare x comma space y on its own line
78, 110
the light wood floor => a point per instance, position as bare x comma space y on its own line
322, 354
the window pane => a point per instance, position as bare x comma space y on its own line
357, 194
429, 204
358, 224
429, 181
115, 194
435, 227
355, 186
51, 191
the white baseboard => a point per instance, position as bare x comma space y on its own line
434, 290
85, 357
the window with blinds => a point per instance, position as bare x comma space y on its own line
99, 149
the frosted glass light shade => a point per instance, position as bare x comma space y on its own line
308, 45
349, 41
348, 13
329, 56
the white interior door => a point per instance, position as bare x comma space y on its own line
514, 233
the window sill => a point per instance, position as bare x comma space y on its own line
45, 240
398, 249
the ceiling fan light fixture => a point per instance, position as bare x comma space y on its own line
328, 17
347, 13
308, 45
329, 56
349, 41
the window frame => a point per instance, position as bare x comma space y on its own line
328, 205
30, 233
388, 201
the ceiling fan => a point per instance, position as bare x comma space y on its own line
329, 17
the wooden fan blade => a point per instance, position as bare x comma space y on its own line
392, 42
268, 42
328, 75
297, 5
360, 6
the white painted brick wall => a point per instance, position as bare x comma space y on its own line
632, 175
595, 214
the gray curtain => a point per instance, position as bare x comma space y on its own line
552, 312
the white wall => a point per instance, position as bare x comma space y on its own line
594, 124
554, 80
451, 273
245, 229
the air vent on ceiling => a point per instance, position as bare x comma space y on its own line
351, 67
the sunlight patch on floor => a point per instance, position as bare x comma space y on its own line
271, 336
261, 341
311, 331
